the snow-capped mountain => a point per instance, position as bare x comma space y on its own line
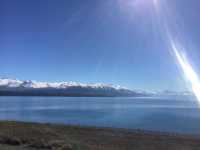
15, 83
29, 87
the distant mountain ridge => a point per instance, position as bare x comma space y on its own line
15, 87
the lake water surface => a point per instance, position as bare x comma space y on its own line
177, 114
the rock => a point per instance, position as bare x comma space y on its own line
66, 147
10, 141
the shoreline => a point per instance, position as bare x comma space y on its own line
133, 130
46, 136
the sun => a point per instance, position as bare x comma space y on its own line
137, 6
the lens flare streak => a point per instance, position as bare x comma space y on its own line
188, 70
177, 49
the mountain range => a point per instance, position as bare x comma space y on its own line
15, 87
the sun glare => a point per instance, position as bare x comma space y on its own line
137, 6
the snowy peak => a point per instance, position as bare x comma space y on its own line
14, 87
15, 83
10, 82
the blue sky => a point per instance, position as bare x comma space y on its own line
94, 41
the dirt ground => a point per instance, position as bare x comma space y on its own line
33, 136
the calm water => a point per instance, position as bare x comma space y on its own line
180, 114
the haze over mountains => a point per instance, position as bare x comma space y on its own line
14, 87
